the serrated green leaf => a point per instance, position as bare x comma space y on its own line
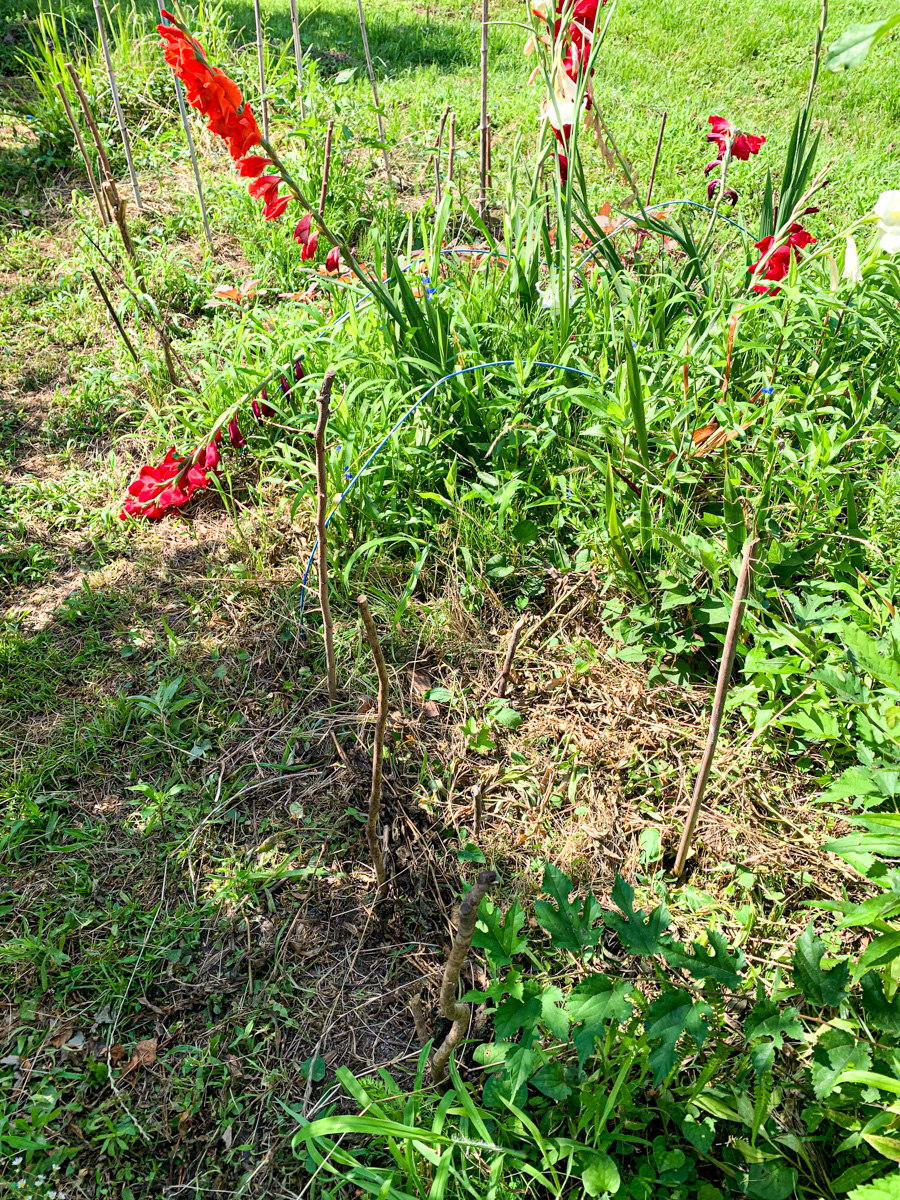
499, 938
592, 1003
887, 1188
514, 1015
553, 1012
837, 1051
570, 927
765, 1029
821, 988
551, 1080
671, 1016
708, 962
880, 1013
637, 935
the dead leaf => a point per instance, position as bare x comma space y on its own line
366, 705
65, 1032
228, 1137
143, 1055
421, 682
184, 1122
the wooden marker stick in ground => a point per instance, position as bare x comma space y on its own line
377, 746
483, 143
741, 593
260, 59
322, 533
298, 58
79, 140
117, 104
371, 70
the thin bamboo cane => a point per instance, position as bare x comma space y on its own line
451, 149
326, 167
115, 316
79, 140
482, 174
191, 149
371, 70
728, 652
117, 104
321, 513
102, 157
260, 59
437, 157
298, 58
377, 746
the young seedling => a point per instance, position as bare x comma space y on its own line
377, 747
451, 1009
322, 533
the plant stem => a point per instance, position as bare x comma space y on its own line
326, 167
722, 683
98, 196
115, 316
451, 1009
659, 142
503, 678
377, 747
321, 533
437, 157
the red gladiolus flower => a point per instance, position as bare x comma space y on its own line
299, 373
235, 436
563, 162
262, 410
743, 145
779, 264
333, 259
219, 99
301, 233
312, 245
171, 483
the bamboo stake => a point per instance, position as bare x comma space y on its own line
451, 1009
326, 167
117, 104
94, 131
659, 142
322, 533
451, 149
260, 58
482, 176
728, 652
191, 150
371, 70
298, 58
115, 316
437, 157
510, 653
79, 140
490, 175
377, 747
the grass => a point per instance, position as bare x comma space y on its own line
181, 841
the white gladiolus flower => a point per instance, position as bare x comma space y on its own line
887, 210
852, 270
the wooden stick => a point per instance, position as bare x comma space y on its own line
451, 1009
322, 533
437, 157
94, 131
451, 149
298, 58
490, 177
482, 176
79, 140
728, 652
503, 678
326, 166
377, 747
659, 142
260, 58
190, 141
117, 104
115, 316
371, 69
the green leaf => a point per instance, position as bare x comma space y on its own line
710, 962
768, 1181
836, 1051
525, 532
881, 1014
569, 927
671, 1016
601, 1176
594, 1002
864, 654
440, 695
854, 44
551, 1080
765, 1028
553, 1012
637, 935
500, 938
344, 76
887, 1188
508, 717
821, 988
314, 1068
858, 1174
701, 1134
514, 1015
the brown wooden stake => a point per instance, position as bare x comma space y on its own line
490, 176
298, 58
371, 70
659, 142
377, 746
451, 149
115, 316
451, 1009
79, 141
437, 157
322, 533
105, 168
483, 151
728, 652
326, 167
117, 105
503, 678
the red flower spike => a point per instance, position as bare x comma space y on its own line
563, 168
311, 246
171, 483
235, 436
301, 233
273, 209
253, 166
299, 373
333, 260
742, 147
779, 264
